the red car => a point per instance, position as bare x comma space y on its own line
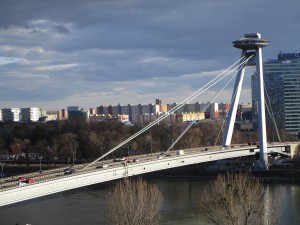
22, 179
30, 181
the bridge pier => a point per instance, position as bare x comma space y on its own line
251, 45
234, 103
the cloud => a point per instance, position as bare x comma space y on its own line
61, 29
56, 67
131, 51
8, 60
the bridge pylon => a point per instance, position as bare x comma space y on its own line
251, 46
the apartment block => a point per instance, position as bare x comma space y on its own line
11, 115
30, 114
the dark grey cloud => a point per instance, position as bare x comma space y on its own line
61, 29
103, 51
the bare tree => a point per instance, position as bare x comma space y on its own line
68, 146
191, 138
134, 202
239, 199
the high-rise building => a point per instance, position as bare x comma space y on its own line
30, 114
92, 111
74, 111
116, 110
11, 114
282, 81
135, 111
64, 114
223, 110
100, 110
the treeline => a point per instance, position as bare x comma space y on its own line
75, 139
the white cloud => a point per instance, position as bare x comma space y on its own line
8, 60
155, 60
56, 67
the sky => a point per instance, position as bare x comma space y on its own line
55, 54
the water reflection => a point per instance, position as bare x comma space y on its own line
87, 205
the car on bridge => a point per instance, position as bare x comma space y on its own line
102, 166
69, 170
180, 152
136, 160
30, 181
120, 159
22, 179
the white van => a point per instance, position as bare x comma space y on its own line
102, 166
180, 152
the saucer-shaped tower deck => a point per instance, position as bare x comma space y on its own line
250, 42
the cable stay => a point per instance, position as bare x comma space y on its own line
231, 102
270, 111
219, 134
203, 110
163, 116
221, 129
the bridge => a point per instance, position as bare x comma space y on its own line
54, 181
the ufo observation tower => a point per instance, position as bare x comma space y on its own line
251, 46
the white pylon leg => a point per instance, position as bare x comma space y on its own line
234, 104
261, 110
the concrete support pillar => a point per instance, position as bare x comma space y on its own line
261, 110
234, 104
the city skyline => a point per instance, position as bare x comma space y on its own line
60, 53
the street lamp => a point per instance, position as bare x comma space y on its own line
2, 174
73, 158
129, 149
102, 148
237, 138
173, 144
40, 164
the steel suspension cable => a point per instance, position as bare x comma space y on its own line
233, 97
270, 111
191, 97
197, 117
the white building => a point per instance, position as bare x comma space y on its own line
30, 114
214, 110
11, 114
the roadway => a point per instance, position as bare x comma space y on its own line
12, 182
55, 180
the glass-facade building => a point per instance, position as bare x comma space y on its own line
282, 82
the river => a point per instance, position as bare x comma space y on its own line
86, 206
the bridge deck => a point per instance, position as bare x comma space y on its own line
54, 181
